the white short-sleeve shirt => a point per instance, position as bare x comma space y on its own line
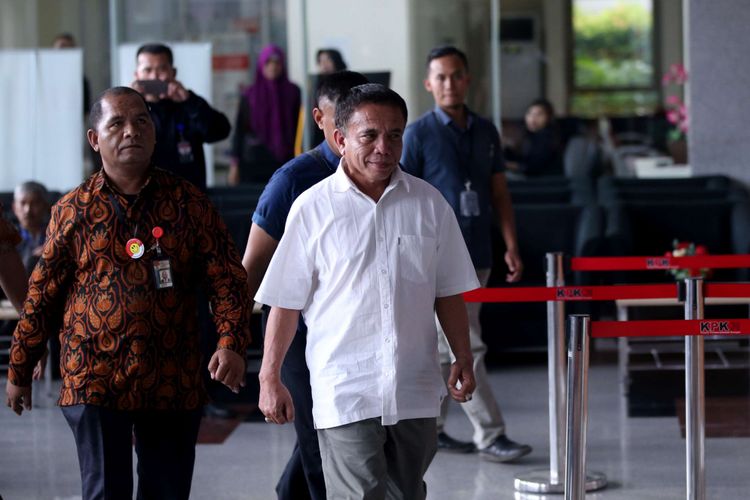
365, 276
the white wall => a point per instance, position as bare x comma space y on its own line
555, 51
41, 119
372, 36
18, 24
718, 88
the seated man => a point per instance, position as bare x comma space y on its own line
31, 207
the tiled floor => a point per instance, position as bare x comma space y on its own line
642, 457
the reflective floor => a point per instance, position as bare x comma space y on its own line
643, 458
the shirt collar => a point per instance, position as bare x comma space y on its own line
101, 181
446, 119
342, 182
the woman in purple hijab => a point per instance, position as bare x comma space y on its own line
266, 124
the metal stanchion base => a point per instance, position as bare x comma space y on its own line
539, 481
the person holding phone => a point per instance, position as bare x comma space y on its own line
184, 121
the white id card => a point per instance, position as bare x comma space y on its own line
163, 274
469, 201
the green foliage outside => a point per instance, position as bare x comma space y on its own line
621, 103
612, 48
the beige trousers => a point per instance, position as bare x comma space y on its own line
483, 410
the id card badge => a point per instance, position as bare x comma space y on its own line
469, 202
185, 151
163, 274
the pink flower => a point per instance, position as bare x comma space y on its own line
676, 112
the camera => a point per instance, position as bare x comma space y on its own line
153, 87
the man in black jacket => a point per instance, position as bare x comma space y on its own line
183, 120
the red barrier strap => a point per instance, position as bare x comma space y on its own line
572, 293
670, 328
727, 290
663, 262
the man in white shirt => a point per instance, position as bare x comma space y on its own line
369, 255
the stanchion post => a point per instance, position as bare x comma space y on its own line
543, 481
556, 368
553, 480
577, 415
695, 396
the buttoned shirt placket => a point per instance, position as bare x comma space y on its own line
387, 319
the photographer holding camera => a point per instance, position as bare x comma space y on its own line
183, 120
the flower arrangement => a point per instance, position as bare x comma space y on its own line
686, 249
677, 113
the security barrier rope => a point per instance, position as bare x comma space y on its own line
670, 328
662, 262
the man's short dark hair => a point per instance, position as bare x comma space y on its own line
334, 85
156, 49
369, 93
95, 115
446, 50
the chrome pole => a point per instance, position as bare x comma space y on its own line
556, 371
575, 439
695, 395
550, 481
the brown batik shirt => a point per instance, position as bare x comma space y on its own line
127, 344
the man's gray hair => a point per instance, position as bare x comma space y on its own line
32, 187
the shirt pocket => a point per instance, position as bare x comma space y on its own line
416, 258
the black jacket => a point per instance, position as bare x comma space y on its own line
200, 123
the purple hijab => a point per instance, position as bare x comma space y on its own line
274, 107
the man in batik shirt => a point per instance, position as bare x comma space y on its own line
125, 254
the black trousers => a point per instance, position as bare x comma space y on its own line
164, 442
303, 475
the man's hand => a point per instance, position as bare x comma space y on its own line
176, 92
275, 401
461, 383
228, 367
515, 266
18, 398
